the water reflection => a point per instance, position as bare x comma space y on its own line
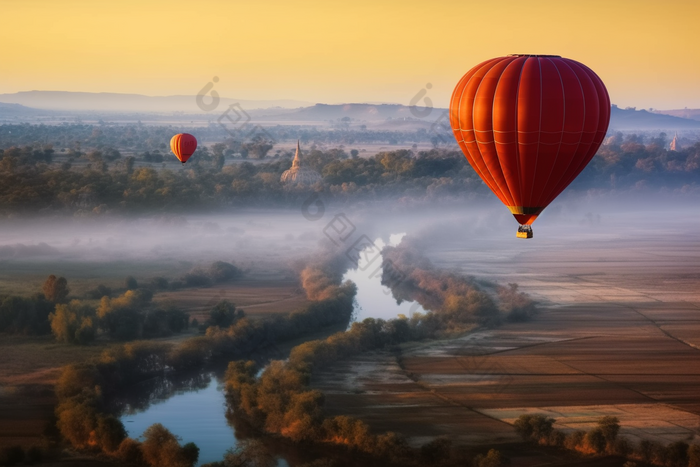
157, 390
194, 411
375, 300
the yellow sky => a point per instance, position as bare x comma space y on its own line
647, 52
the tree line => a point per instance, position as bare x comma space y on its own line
457, 300
28, 183
126, 316
141, 138
604, 439
97, 179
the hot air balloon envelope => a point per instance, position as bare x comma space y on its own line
183, 146
528, 125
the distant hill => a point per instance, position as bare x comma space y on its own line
631, 119
692, 114
621, 119
17, 110
379, 116
115, 102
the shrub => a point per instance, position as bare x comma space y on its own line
99, 292
492, 459
575, 440
249, 452
518, 306
621, 447
130, 452
159, 283
164, 322
192, 353
392, 447
557, 438
661, 455
224, 314
646, 451
110, 433
73, 323
77, 420
55, 289
694, 455
161, 448
196, 278
534, 427
610, 427
436, 451
130, 283
595, 440
122, 317
221, 271
190, 452
677, 454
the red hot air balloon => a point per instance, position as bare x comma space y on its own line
528, 125
183, 146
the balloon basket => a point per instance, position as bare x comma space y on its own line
524, 231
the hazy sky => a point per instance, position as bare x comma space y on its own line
647, 52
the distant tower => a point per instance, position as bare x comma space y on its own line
299, 175
675, 146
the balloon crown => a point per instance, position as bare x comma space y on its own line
532, 55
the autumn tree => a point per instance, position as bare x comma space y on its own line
677, 454
534, 427
492, 459
55, 288
436, 451
224, 314
610, 426
130, 283
161, 448
694, 455
109, 433
258, 147
595, 439
73, 323
221, 271
249, 453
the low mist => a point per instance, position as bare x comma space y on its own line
482, 231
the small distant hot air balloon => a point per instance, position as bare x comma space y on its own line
528, 125
183, 146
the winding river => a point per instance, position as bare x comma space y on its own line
194, 407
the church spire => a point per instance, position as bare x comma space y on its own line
674, 146
297, 157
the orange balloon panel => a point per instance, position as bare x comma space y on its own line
183, 146
528, 125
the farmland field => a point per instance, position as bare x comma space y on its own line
617, 334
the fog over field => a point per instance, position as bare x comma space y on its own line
483, 231
249, 232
